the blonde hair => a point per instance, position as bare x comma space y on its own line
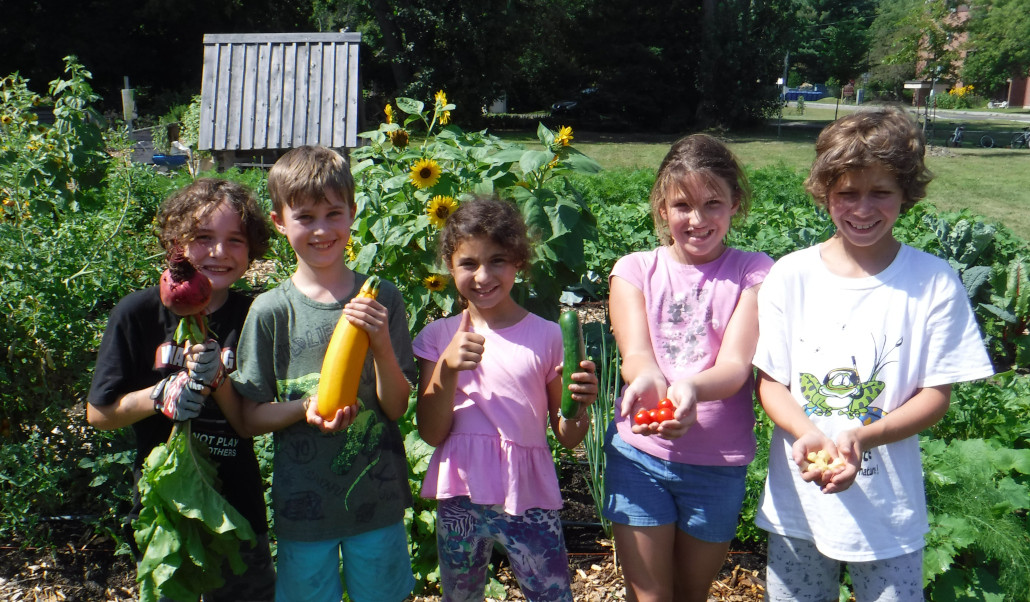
305, 173
703, 155
886, 136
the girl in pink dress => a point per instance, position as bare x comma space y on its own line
490, 384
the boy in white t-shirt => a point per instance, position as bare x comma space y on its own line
861, 339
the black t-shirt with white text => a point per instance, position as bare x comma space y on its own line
137, 351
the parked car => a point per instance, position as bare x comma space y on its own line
575, 107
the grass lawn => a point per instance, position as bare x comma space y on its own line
994, 182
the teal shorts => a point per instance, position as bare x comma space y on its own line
376, 567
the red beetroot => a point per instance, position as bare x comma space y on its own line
184, 290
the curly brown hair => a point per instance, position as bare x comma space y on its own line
183, 211
489, 217
885, 136
697, 154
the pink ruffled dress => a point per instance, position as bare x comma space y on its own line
497, 452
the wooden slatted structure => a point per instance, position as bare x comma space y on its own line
279, 91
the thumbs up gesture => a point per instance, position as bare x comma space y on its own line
466, 348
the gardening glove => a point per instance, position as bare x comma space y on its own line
178, 397
208, 369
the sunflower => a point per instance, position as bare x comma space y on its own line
389, 113
425, 173
564, 136
441, 102
440, 208
399, 138
434, 282
351, 254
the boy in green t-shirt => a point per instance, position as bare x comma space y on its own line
340, 487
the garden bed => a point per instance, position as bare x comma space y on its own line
84, 568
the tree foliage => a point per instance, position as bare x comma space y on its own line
925, 35
660, 66
835, 41
998, 46
887, 70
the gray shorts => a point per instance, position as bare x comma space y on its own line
796, 570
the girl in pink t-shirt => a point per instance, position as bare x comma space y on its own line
488, 389
685, 319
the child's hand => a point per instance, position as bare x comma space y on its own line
340, 421
642, 394
584, 384
204, 363
849, 456
817, 459
465, 350
683, 396
368, 315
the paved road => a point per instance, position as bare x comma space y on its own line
948, 114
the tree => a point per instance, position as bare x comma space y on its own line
157, 44
475, 49
835, 43
926, 37
887, 73
999, 43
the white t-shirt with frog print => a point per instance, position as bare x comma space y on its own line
852, 350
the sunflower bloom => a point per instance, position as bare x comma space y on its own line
425, 173
564, 136
434, 282
441, 102
440, 208
389, 113
351, 254
399, 138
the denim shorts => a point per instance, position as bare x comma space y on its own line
641, 490
376, 567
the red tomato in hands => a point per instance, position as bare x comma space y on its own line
653, 414
643, 417
665, 414
667, 404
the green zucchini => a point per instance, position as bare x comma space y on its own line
574, 353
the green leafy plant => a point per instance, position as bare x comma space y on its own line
619, 202
977, 496
601, 346
186, 529
405, 191
64, 162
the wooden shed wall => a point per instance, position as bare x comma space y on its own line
279, 91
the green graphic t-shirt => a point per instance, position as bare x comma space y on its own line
324, 485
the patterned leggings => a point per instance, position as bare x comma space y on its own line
798, 571
534, 541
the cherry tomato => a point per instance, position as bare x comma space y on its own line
667, 404
653, 414
665, 414
643, 417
